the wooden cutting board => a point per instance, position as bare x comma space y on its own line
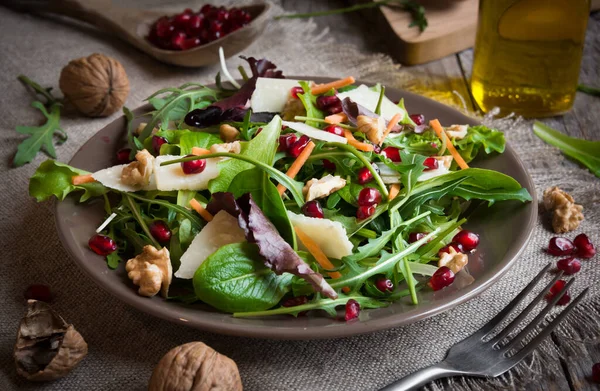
452, 27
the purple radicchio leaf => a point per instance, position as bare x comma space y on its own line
419, 129
353, 110
278, 255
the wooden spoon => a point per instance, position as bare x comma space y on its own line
133, 25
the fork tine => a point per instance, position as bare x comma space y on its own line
526, 311
538, 318
491, 325
527, 349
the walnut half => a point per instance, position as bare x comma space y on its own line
138, 172
453, 260
151, 271
374, 128
567, 215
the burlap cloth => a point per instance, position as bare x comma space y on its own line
125, 344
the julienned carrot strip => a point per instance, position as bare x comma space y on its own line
199, 151
81, 179
357, 144
297, 165
394, 190
200, 209
435, 124
335, 119
319, 255
393, 122
323, 88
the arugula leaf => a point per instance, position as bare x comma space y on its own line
584, 151
53, 178
409, 179
310, 104
491, 140
261, 148
113, 259
234, 279
588, 90
40, 137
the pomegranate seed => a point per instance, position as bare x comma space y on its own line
467, 239
191, 43
334, 129
556, 288
364, 212
160, 231
441, 278
193, 166
194, 25
38, 292
392, 153
569, 265
294, 301
434, 145
385, 285
313, 209
157, 142
364, 175
596, 372
560, 246
334, 109
212, 35
181, 20
352, 310
369, 196
207, 8
163, 28
177, 40
430, 163
296, 148
585, 248
102, 244
286, 141
328, 165
415, 236
188, 11
324, 102
123, 155
446, 249
216, 26
295, 91
418, 119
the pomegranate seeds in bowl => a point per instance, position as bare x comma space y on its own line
188, 30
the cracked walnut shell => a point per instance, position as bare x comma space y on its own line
195, 366
151, 271
96, 85
566, 213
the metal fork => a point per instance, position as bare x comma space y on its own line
480, 357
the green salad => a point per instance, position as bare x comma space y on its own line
278, 196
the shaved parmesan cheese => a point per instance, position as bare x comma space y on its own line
171, 177
315, 133
368, 98
223, 229
329, 235
270, 94
111, 177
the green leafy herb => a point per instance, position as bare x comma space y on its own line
588, 90
40, 137
54, 178
477, 137
416, 10
234, 278
197, 139
584, 151
310, 104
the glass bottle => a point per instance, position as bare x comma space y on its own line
528, 54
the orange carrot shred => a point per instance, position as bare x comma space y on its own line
297, 165
81, 179
394, 190
323, 88
435, 124
335, 119
200, 209
199, 151
319, 255
357, 144
393, 122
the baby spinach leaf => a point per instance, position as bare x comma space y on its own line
234, 279
584, 151
266, 196
261, 148
53, 178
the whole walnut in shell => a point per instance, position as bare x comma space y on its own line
96, 85
47, 347
195, 366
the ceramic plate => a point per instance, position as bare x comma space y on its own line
505, 229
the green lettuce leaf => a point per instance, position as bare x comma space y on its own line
491, 140
53, 178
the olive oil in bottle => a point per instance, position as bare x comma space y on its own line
527, 55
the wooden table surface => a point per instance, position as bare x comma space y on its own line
452, 73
